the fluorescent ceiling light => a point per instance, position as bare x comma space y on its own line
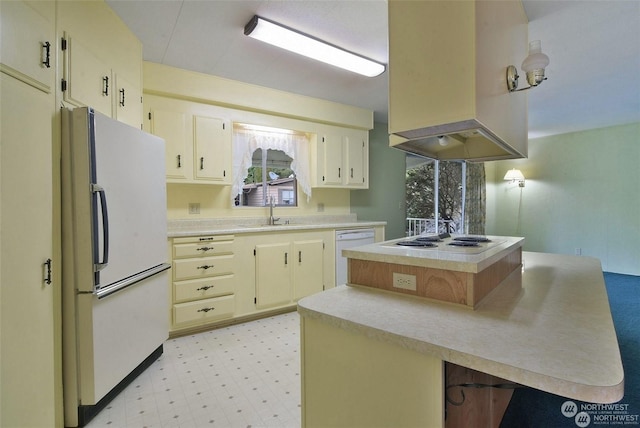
291, 40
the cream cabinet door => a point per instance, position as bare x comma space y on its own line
308, 272
27, 337
87, 78
128, 102
212, 141
356, 160
273, 274
332, 168
172, 127
27, 42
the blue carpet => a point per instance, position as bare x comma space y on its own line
530, 408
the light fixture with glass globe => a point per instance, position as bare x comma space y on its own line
533, 65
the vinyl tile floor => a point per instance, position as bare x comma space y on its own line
245, 375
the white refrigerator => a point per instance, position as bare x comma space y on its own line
115, 270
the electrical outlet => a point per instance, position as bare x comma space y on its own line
194, 208
404, 281
578, 251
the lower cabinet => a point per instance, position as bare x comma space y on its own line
203, 287
288, 270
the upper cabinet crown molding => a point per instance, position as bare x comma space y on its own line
447, 76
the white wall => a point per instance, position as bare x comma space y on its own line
582, 192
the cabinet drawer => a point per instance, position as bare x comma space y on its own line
200, 249
202, 267
202, 288
203, 310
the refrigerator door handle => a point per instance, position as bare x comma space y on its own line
99, 265
141, 276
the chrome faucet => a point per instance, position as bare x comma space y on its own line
272, 219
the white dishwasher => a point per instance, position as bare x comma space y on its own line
349, 239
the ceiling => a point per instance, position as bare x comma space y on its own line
594, 48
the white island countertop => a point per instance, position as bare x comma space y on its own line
443, 256
552, 330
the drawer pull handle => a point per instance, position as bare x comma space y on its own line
206, 239
205, 287
205, 267
205, 310
205, 248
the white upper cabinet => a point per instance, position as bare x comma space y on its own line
87, 78
340, 159
212, 141
27, 42
197, 138
172, 127
102, 61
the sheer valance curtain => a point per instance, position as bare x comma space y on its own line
246, 141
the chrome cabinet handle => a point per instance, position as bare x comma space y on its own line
205, 310
205, 287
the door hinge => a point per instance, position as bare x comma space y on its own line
63, 44
63, 85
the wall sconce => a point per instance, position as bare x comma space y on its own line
294, 41
514, 175
533, 65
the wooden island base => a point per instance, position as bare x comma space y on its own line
480, 406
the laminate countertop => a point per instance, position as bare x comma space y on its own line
241, 225
548, 327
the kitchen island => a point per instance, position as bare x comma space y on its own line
376, 358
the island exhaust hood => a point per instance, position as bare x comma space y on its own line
448, 96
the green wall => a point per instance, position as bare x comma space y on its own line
582, 195
385, 198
